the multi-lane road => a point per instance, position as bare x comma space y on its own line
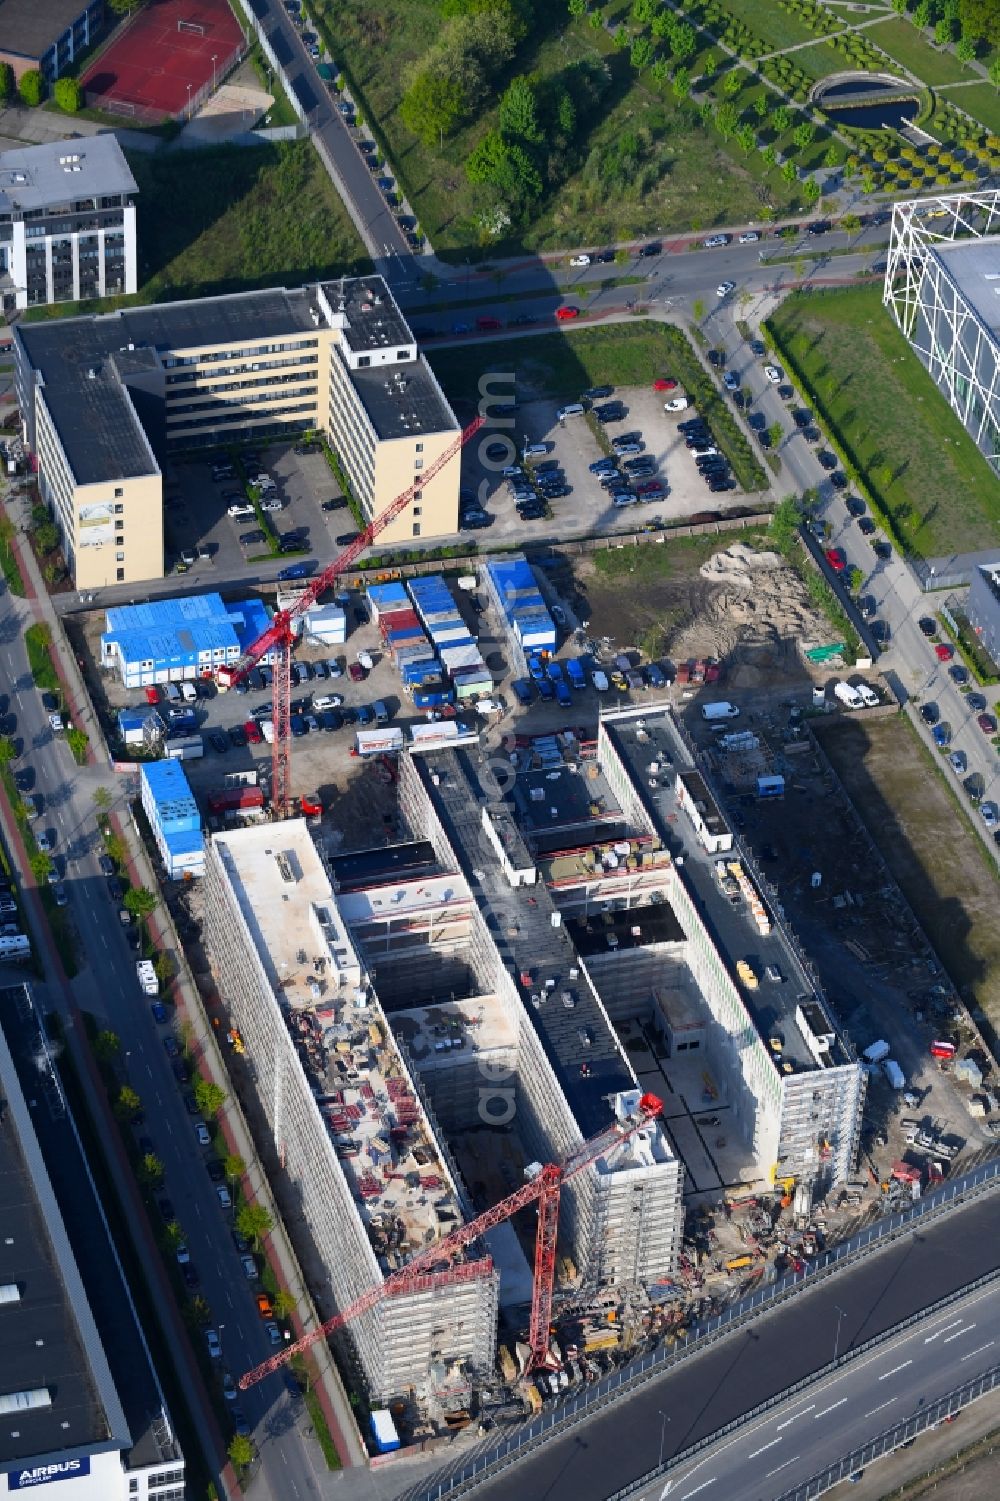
291, 1465
796, 1341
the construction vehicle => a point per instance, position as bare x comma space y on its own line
277, 641
543, 1189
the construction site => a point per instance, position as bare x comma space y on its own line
559, 933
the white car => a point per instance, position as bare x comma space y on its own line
240, 508
272, 505
214, 1344
773, 373
203, 1134
229, 1388
328, 701
183, 1255
988, 813
724, 288
223, 1196
580, 260
676, 404
56, 723
749, 237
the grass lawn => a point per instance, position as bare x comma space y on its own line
778, 27
902, 40
684, 174
237, 231
622, 354
980, 100
822, 58
918, 462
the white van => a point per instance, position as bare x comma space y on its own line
575, 409
188, 693
171, 693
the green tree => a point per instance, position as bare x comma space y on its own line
641, 53
566, 115
726, 119
284, 1303
127, 1103
173, 1235
116, 848
851, 223
965, 50
775, 432
663, 24
803, 134
943, 32
78, 740
660, 69
433, 106
922, 14
733, 82
107, 1047
784, 528
900, 7
761, 106
6, 82
830, 157
770, 156
505, 165
518, 112
253, 1222
620, 39
781, 118
240, 1449
102, 799
683, 41
747, 138
811, 190
125, 7
994, 71
234, 1167
150, 1170
139, 901
643, 11
209, 1097
68, 95
164, 968
577, 7
681, 83
8, 750
789, 171
31, 87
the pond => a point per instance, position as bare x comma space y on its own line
866, 112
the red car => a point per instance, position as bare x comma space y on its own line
836, 559
987, 724
664, 385
152, 695
488, 325
944, 652
253, 732
652, 487
356, 672
565, 313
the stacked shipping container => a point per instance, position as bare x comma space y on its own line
404, 638
529, 623
453, 643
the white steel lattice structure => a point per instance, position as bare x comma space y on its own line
942, 285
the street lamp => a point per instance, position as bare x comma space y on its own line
663, 1434
215, 56
189, 101
841, 1315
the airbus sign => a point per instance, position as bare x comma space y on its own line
65, 1469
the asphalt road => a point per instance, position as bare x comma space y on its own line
796, 1341
290, 1466
376, 225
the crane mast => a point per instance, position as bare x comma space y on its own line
279, 638
543, 1189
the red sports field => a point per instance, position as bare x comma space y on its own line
157, 67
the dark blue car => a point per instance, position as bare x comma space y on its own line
295, 571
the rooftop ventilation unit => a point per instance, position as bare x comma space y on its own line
25, 1401
284, 867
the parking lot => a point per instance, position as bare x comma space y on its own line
196, 520
574, 445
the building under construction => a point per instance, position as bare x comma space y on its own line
559, 924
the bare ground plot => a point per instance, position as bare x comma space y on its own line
658, 599
938, 861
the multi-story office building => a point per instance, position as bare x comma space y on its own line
105, 400
67, 222
85, 1418
50, 36
940, 285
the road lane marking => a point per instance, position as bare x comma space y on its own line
953, 1325
800, 1414
766, 1446
968, 1330
987, 1345
882, 1408
704, 1483
829, 1409
894, 1370
781, 1467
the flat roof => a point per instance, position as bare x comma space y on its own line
372, 319
641, 739
61, 172
376, 1126
29, 29
403, 400
99, 428
974, 267
532, 944
368, 867
50, 1342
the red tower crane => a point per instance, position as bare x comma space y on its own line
542, 1189
278, 637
